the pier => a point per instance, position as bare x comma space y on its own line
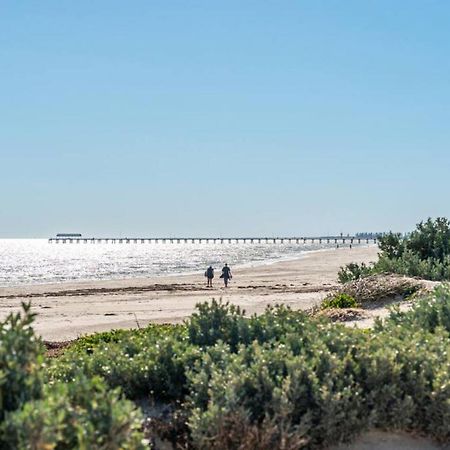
213, 240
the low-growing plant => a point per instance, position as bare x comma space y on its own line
91, 341
339, 300
430, 313
140, 366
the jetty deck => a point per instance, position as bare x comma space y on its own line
215, 240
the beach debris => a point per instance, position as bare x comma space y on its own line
380, 287
342, 314
54, 349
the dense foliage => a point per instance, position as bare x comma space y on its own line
424, 253
278, 380
354, 271
82, 413
283, 379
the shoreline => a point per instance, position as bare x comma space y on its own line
67, 310
23, 287
254, 263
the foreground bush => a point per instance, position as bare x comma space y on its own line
281, 379
79, 414
21, 357
325, 384
151, 361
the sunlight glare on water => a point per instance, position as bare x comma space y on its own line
29, 261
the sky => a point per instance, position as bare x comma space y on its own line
223, 118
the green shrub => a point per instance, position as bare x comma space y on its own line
324, 385
143, 363
92, 341
278, 380
299, 397
423, 253
80, 415
217, 321
354, 271
339, 301
21, 356
430, 313
431, 239
411, 265
391, 245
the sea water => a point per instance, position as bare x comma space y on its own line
31, 261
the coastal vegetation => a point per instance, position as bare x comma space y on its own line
39, 413
339, 300
283, 379
424, 253
377, 288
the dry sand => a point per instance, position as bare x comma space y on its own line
380, 440
68, 310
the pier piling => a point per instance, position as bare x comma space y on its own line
208, 240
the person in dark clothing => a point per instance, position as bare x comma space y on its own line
226, 274
209, 274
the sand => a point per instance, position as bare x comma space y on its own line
381, 440
66, 311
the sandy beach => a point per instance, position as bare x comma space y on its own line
68, 310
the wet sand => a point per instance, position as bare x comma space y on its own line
68, 310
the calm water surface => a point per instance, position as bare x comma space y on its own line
28, 261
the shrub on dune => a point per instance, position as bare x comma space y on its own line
424, 253
81, 413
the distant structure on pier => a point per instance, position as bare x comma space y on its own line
68, 235
370, 235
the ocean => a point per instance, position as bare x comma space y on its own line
33, 261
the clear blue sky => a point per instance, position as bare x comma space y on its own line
223, 117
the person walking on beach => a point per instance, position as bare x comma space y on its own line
226, 274
209, 274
